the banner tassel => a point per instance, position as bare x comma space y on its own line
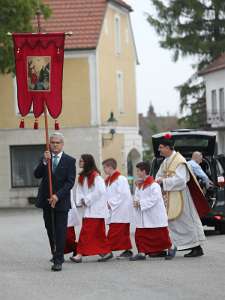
22, 124
36, 124
56, 125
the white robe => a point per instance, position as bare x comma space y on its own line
186, 231
119, 199
94, 198
152, 212
73, 216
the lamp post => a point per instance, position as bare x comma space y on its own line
111, 122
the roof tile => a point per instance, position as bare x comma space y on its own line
83, 17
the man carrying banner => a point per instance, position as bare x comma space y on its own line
63, 178
185, 200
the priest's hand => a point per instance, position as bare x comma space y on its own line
52, 201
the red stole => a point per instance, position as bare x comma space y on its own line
90, 178
110, 179
147, 182
200, 201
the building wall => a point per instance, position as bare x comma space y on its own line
89, 95
214, 81
77, 141
109, 63
76, 108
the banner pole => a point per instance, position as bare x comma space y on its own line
38, 14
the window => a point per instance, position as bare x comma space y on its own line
214, 104
117, 35
120, 91
221, 104
23, 161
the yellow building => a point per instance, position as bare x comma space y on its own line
99, 79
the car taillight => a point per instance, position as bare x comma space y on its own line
218, 217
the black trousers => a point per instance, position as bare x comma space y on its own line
60, 228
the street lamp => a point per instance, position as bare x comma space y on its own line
111, 122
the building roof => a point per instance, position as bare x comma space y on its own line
216, 65
83, 17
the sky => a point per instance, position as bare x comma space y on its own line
157, 74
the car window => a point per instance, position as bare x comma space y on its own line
194, 142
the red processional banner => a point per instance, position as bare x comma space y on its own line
39, 61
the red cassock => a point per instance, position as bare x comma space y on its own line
152, 240
93, 240
71, 244
119, 236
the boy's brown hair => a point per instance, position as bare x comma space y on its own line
110, 162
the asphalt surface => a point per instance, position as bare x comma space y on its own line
25, 269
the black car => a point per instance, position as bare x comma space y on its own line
186, 142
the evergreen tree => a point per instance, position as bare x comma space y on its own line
16, 16
191, 28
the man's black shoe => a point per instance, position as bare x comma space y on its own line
195, 252
57, 267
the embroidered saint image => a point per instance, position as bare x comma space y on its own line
38, 73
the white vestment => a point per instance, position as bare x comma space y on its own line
73, 216
152, 211
119, 199
94, 198
186, 231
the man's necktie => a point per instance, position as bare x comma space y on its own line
54, 163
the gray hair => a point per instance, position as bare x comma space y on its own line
58, 135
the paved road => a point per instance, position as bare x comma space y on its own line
25, 271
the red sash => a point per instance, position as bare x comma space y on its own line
90, 178
110, 179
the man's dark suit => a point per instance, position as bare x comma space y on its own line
62, 182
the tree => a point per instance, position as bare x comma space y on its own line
191, 28
15, 16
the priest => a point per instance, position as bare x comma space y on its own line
185, 200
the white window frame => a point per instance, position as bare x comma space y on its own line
120, 91
221, 104
15, 99
214, 102
117, 26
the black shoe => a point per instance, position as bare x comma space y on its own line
57, 267
137, 257
106, 257
125, 254
195, 252
157, 254
171, 253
